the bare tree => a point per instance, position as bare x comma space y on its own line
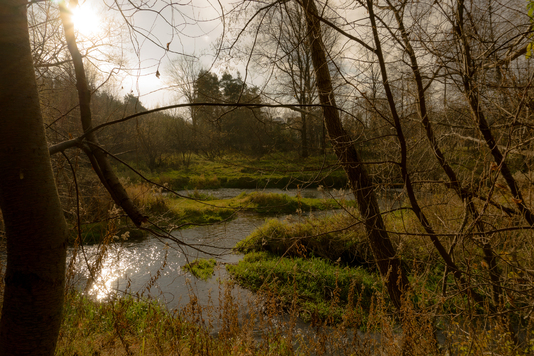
361, 185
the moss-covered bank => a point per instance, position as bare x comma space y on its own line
170, 211
318, 266
317, 289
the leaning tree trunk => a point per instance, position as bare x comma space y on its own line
34, 222
361, 185
98, 158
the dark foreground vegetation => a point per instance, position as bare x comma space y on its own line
317, 268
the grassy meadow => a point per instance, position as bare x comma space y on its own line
276, 171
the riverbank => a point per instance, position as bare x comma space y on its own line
318, 266
276, 171
214, 321
172, 211
321, 270
132, 326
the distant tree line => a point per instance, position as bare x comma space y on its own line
158, 139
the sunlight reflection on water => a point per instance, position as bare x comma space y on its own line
152, 268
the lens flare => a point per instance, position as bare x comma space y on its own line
85, 19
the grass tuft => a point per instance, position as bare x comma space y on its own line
201, 268
320, 290
328, 237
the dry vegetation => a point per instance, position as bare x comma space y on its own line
355, 317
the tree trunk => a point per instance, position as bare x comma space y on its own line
361, 185
471, 92
34, 222
98, 158
304, 136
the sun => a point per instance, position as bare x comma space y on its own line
86, 20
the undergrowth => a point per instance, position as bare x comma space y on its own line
131, 326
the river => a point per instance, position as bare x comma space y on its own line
131, 266
152, 267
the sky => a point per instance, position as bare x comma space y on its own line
156, 32
153, 36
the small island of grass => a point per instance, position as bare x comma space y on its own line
201, 268
316, 266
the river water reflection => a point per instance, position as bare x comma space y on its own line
152, 267
133, 266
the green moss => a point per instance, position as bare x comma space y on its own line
327, 237
239, 172
320, 290
201, 268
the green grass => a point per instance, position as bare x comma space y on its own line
272, 203
200, 209
313, 265
186, 212
201, 268
276, 171
132, 326
90, 327
92, 233
190, 212
328, 237
318, 289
